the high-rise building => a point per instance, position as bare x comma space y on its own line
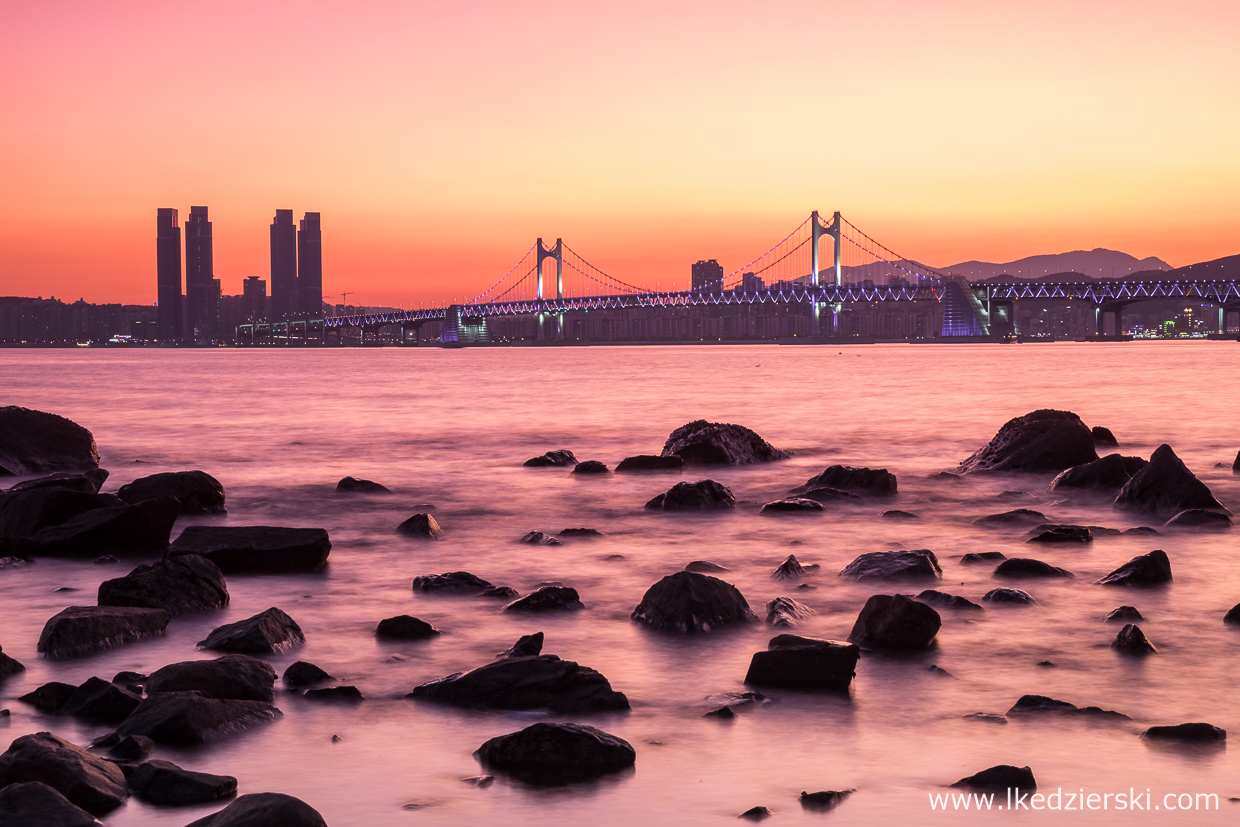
310, 265
284, 298
168, 273
707, 277
254, 290
199, 275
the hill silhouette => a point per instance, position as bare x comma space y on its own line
1091, 264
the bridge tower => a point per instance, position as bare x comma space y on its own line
556, 253
818, 230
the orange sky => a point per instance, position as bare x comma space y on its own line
438, 140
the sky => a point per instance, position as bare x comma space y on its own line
438, 140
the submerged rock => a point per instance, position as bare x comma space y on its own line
705, 567
184, 583
1041, 704
35, 804
198, 491
590, 466
534, 682
1165, 486
453, 582
548, 599
540, 538
790, 569
704, 495
1063, 534
1232, 616
1017, 597
24, 513
262, 810
823, 799
95, 785
9, 666
1015, 517
353, 485
164, 783
303, 673
865, 482
1124, 614
1200, 519
948, 601
1028, 567
122, 529
1106, 475
1041, 441
552, 459
265, 632
256, 548
982, 557
756, 813
795, 662
895, 622
405, 627
1194, 733
80, 630
549, 753
188, 718
1151, 569
239, 677
1132, 641
34, 442
420, 527
335, 694
1000, 779
828, 495
691, 602
650, 463
786, 612
793, 505
894, 565
717, 443
895, 514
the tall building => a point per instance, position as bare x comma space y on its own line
310, 265
168, 273
284, 299
707, 277
254, 291
200, 306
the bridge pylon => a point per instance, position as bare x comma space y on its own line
556, 253
818, 230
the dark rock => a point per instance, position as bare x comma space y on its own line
101, 700
1040, 704
302, 673
1235, 466
723, 712
1014, 596
691, 602
866, 482
1015, 517
828, 495
420, 527
982, 557
1165, 486
404, 627
986, 717
353, 485
552, 459
1195, 733
1232, 616
198, 491
1151, 569
894, 565
49, 697
180, 584
786, 612
24, 513
547, 599
1000, 779
1044, 440
453, 582
256, 548
133, 681
500, 592
95, 785
755, 813
166, 784
590, 466
132, 748
1201, 519
705, 567
269, 631
335, 694
88, 482
240, 677
895, 514
122, 529
264, 810
795, 662
945, 476
34, 804
582, 533
1064, 534
790, 569
535, 682
1103, 436
540, 538
716, 443
1143, 530
1106, 475
34, 442
704, 495
823, 799
1132, 641
1124, 614
187, 718
793, 505
12, 562
948, 601
80, 630
525, 647
1028, 567
547, 753
895, 622
940, 671
648, 463
9, 666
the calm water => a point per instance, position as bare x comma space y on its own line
450, 429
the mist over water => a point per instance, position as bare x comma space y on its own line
447, 431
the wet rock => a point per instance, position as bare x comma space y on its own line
240, 677
582, 533
420, 527
590, 466
897, 515
500, 593
704, 495
793, 505
303, 673
1232, 616
1028, 567
944, 476
1165, 486
34, 442
975, 557
755, 813
1000, 779
795, 662
535, 682
49, 697
786, 612
1041, 704
526, 646
1103, 436
865, 482
1017, 597
1106, 475
547, 753
1124, 614
895, 622
9, 666
87, 482
1063, 534
80, 630
692, 602
986, 717
1041, 441
256, 548
198, 491
180, 584
705, 567
122, 529
265, 632
650, 463
717, 443
1199, 518
95, 785
548, 599
824, 799
918, 564
724, 712
264, 810
165, 784
132, 748
335, 694
1151, 569
943, 600
1132, 641
552, 459
34, 804
404, 627
828, 495
188, 718
24, 513
790, 569
1143, 530
1015, 517
101, 700
12, 562
453, 582
1195, 733
539, 538
353, 485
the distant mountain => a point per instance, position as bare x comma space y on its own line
1227, 267
1093, 264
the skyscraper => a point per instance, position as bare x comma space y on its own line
199, 276
284, 299
168, 273
707, 277
254, 290
310, 265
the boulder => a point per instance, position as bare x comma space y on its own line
255, 548
265, 632
977, 557
87, 482
302, 673
795, 662
549, 753
500, 593
650, 463
1233, 615
1195, 733
101, 700
1042, 705
691, 602
1041, 441
1143, 530
793, 505
420, 527
1132, 641
1235, 466
132, 748
239, 677
1015, 517
95, 785
1151, 569
895, 622
80, 630
1199, 518
552, 459
704, 495
198, 491
582, 533
1103, 436
540, 538
786, 612
404, 627
1124, 614
188, 718
948, 601
865, 482
9, 666
705, 567
532, 682
1000, 779
756, 813
1165, 486
1018, 597
353, 485
1063, 534
34, 442
335, 695
526, 646
590, 466
122, 529
1106, 475
264, 810
894, 565
826, 495
34, 804
899, 516
548, 599
1028, 567
453, 582
24, 513
179, 584
717, 443
49, 697
790, 569
165, 784
823, 799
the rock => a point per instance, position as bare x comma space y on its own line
692, 602
982, 557
302, 673
87, 482
824, 799
1000, 779
166, 784
1103, 436
724, 712
239, 677
123, 529
80, 630
865, 482
187, 718
986, 717
453, 582
420, 527
716, 443
1132, 641
590, 466
1106, 475
9, 666
895, 514
794, 662
264, 810
1124, 614
1235, 466
1151, 569
1028, 567
34, 442
1041, 441
547, 599
1195, 733
101, 700
705, 567
582, 533
534, 682
49, 697
198, 491
1165, 486
24, 513
828, 495
500, 592
1199, 518
895, 622
894, 565
648, 463
539, 538
1014, 596
335, 694
948, 601
704, 495
756, 813
269, 631
1232, 616
132, 748
944, 476
552, 459
404, 627
547, 753
793, 505
1015, 517
786, 612
1143, 530
34, 804
1040, 704
256, 548
1063, 534
353, 485
526, 646
790, 569
95, 785
180, 584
